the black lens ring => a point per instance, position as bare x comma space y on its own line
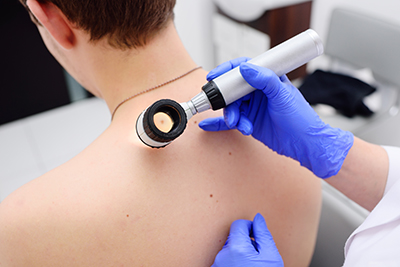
172, 109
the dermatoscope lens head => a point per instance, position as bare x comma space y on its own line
161, 123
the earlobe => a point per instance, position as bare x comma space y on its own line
51, 18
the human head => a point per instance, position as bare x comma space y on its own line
125, 23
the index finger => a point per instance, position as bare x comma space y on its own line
225, 67
239, 233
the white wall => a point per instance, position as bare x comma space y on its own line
384, 9
193, 21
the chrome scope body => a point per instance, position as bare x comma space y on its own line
231, 86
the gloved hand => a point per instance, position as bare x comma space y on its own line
280, 117
240, 251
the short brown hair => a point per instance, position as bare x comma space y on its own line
126, 23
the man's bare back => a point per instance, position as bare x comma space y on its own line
121, 203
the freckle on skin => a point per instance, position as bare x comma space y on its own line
163, 122
195, 122
211, 195
127, 215
230, 153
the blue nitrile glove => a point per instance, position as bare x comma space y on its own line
280, 117
239, 250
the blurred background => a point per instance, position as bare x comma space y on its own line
46, 117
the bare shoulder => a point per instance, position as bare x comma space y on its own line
9, 232
28, 219
47, 222
20, 223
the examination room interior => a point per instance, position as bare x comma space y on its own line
42, 126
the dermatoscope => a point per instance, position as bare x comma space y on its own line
166, 119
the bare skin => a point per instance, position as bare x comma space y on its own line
364, 174
120, 203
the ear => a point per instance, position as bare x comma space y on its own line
51, 18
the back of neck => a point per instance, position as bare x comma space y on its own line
121, 74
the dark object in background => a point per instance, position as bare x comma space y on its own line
31, 80
342, 92
281, 24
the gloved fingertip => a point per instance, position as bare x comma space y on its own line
261, 233
245, 131
211, 75
251, 73
248, 70
284, 78
232, 115
217, 71
259, 77
210, 124
241, 228
226, 66
245, 126
214, 124
237, 61
259, 219
260, 226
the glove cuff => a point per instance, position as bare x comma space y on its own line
325, 150
335, 144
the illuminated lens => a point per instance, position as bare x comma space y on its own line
163, 122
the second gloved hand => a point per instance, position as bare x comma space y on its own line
240, 251
278, 115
